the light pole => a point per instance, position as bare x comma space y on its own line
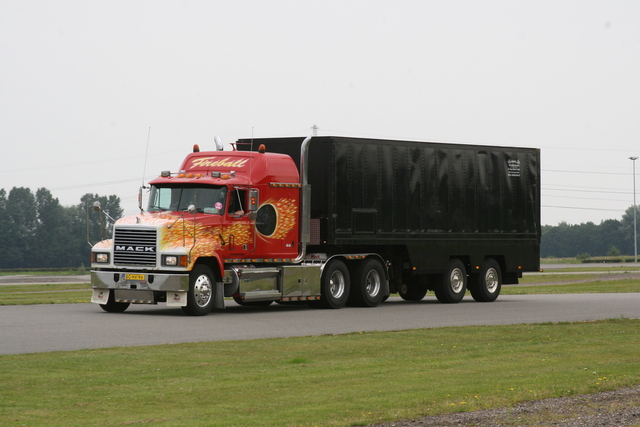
635, 231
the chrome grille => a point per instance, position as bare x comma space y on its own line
135, 246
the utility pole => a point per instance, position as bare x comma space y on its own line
635, 223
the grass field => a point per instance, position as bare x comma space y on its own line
341, 380
58, 293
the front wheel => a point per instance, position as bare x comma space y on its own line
200, 296
486, 286
112, 306
453, 285
335, 285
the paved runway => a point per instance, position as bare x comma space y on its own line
42, 328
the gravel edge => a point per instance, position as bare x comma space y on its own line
610, 408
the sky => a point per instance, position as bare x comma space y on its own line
100, 96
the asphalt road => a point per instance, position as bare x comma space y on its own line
42, 328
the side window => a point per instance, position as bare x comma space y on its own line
237, 201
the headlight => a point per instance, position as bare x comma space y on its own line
171, 260
175, 260
101, 257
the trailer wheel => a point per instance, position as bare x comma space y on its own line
454, 283
369, 283
486, 286
112, 306
200, 295
335, 285
412, 292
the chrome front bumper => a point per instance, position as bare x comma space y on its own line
146, 281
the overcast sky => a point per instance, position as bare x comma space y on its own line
82, 82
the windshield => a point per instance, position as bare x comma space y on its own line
207, 199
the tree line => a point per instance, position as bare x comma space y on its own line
37, 232
610, 237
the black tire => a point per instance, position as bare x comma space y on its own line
486, 286
369, 283
112, 306
335, 285
412, 292
453, 285
201, 291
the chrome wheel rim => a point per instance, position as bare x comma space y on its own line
373, 283
457, 280
336, 284
202, 291
491, 280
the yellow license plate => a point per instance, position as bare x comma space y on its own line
134, 277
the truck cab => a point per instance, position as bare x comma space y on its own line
221, 208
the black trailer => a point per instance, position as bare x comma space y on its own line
443, 216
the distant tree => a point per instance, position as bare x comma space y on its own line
566, 240
36, 231
613, 251
558, 241
627, 228
5, 244
610, 234
53, 233
20, 218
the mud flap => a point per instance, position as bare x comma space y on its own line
176, 299
218, 297
100, 296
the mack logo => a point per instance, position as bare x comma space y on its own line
136, 248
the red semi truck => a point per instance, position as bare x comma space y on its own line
327, 221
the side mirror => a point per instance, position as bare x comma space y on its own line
140, 199
192, 209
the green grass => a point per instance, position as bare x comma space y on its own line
603, 268
615, 286
340, 380
595, 259
45, 272
58, 293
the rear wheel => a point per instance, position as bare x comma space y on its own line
335, 284
486, 286
369, 283
453, 285
412, 291
200, 295
112, 306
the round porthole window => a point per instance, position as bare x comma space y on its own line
266, 220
